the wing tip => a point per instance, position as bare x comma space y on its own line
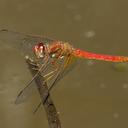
4, 30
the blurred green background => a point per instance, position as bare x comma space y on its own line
94, 94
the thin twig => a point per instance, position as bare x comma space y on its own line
52, 114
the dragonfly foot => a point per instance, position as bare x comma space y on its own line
35, 68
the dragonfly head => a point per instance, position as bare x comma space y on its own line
39, 50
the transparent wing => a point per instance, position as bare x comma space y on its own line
24, 44
21, 42
62, 70
25, 94
28, 89
51, 73
66, 66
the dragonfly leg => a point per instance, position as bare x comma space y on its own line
41, 68
60, 73
50, 73
32, 62
35, 65
46, 79
35, 68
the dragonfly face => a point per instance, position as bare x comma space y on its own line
39, 50
54, 50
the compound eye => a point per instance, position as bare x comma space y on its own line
41, 46
39, 50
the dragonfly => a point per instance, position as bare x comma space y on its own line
53, 56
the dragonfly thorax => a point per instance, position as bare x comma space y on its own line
60, 49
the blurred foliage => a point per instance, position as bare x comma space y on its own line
120, 67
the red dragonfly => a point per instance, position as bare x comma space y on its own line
54, 56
